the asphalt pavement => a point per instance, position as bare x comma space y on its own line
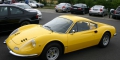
112, 52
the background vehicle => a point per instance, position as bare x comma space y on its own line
49, 40
116, 13
38, 4
12, 17
28, 8
63, 7
80, 8
98, 10
30, 4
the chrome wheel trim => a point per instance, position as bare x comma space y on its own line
106, 40
53, 53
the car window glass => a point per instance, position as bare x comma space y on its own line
97, 7
59, 24
74, 28
92, 26
15, 10
78, 5
62, 4
3, 11
82, 26
118, 8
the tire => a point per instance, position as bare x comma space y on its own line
90, 14
49, 50
114, 17
104, 40
67, 11
37, 6
103, 15
72, 12
24, 23
83, 12
56, 10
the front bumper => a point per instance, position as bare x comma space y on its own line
116, 15
95, 13
15, 54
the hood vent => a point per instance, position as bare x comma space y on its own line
23, 39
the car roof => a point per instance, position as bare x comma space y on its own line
6, 5
75, 18
19, 3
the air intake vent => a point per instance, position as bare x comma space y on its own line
23, 39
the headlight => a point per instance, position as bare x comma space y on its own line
16, 30
33, 43
16, 48
30, 43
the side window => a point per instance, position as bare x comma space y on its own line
74, 28
92, 26
14, 10
82, 26
3, 11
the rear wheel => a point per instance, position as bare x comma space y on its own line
105, 40
24, 23
83, 12
103, 15
56, 10
52, 52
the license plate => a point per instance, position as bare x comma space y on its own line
75, 8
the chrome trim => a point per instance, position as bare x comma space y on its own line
31, 55
115, 34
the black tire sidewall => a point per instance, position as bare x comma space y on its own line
43, 55
22, 23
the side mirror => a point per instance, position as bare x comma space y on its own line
72, 32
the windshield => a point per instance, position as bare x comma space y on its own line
58, 24
24, 6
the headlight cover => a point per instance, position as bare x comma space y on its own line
29, 43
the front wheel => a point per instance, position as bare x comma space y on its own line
105, 40
52, 52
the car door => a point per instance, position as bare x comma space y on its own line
81, 36
15, 15
4, 25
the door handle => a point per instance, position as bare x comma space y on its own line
95, 31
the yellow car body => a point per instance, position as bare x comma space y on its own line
20, 43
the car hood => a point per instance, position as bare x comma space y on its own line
34, 10
29, 33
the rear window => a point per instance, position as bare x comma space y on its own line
97, 6
78, 5
62, 4
118, 8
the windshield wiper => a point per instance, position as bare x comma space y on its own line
49, 28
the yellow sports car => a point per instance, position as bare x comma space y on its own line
63, 34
